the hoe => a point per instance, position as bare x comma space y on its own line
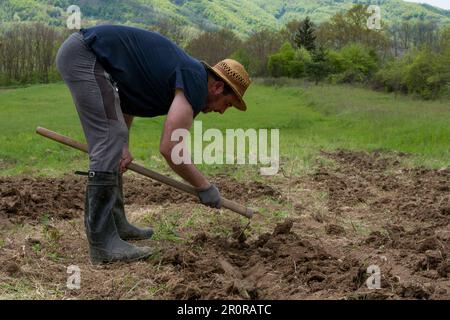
233, 206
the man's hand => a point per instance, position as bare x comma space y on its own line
210, 197
127, 158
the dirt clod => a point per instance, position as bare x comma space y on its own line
333, 229
200, 238
415, 290
229, 269
262, 239
283, 228
428, 244
444, 269
376, 239
434, 258
12, 268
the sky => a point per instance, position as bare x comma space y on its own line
444, 4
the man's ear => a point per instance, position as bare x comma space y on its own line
218, 87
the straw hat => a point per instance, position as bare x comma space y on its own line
234, 74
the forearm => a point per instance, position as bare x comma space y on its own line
179, 117
128, 121
189, 173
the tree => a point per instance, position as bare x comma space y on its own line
214, 46
351, 27
243, 57
424, 72
305, 37
177, 31
261, 45
27, 53
289, 31
319, 67
408, 35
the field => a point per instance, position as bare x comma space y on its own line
364, 181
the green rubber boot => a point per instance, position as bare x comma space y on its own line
126, 230
105, 244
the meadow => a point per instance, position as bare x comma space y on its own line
310, 119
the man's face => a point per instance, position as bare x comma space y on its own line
217, 101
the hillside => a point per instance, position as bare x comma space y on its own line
243, 16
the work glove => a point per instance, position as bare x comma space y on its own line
210, 197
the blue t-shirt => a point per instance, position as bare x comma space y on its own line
147, 68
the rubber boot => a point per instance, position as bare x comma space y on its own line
105, 244
126, 230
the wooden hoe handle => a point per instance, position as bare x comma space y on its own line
233, 206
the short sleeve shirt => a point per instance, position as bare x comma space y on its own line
147, 68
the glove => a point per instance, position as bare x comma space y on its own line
210, 197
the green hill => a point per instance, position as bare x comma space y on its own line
242, 16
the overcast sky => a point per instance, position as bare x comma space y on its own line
444, 4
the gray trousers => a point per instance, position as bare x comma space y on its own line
97, 102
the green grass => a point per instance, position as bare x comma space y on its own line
20, 289
165, 227
310, 118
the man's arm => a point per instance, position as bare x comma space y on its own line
180, 116
127, 158
128, 120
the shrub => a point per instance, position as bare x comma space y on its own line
356, 62
319, 66
427, 75
279, 63
392, 76
336, 61
424, 73
288, 62
243, 57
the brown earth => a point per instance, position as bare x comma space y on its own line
27, 199
315, 239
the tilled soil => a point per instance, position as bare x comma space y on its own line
278, 265
27, 199
381, 184
373, 213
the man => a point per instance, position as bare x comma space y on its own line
115, 73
